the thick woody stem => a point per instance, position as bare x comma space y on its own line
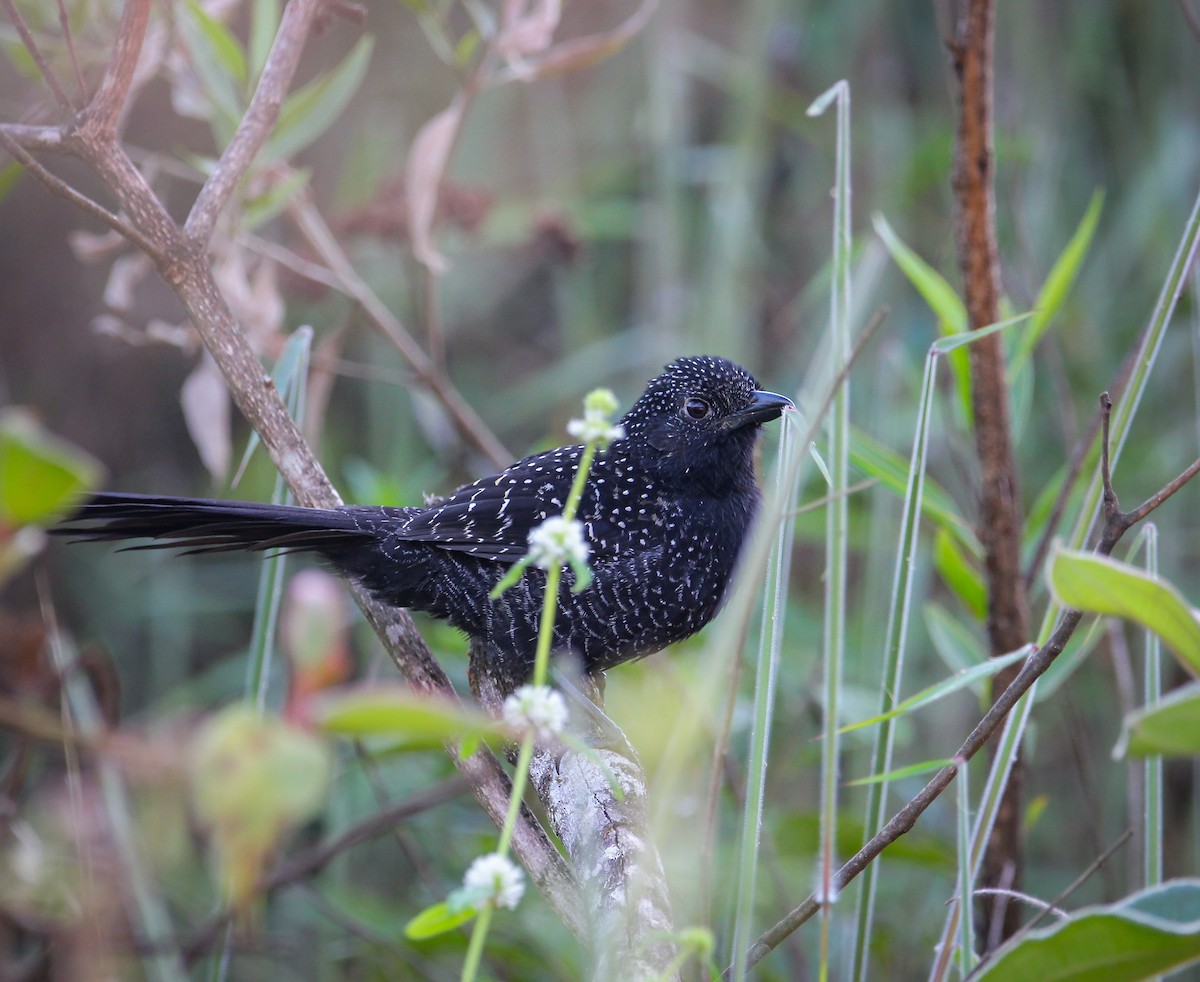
999, 496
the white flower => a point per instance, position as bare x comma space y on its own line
557, 543
536, 707
494, 879
595, 427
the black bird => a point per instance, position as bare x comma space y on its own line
665, 512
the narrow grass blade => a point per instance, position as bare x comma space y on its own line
1152, 777
937, 691
292, 384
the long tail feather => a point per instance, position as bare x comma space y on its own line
202, 525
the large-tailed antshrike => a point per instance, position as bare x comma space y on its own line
665, 512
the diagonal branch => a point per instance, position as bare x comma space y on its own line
110, 99
60, 188
183, 263
1116, 524
256, 126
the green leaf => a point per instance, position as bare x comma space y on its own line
912, 770
952, 342
311, 110
10, 175
875, 460
1073, 655
1150, 933
435, 920
1058, 284
1106, 586
260, 210
1170, 727
946, 687
959, 573
954, 641
1043, 506
941, 297
264, 23
41, 476
288, 375
218, 60
399, 712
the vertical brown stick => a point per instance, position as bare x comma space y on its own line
999, 500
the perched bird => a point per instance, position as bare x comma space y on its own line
665, 511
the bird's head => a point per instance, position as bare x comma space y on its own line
698, 422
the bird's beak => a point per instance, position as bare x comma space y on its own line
765, 407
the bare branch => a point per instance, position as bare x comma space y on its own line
60, 188
317, 233
182, 262
40, 139
256, 126
109, 102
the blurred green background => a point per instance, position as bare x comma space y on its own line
673, 199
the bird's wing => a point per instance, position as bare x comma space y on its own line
492, 517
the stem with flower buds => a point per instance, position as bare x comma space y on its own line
597, 433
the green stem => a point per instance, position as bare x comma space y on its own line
520, 776
541, 662
541, 666
475, 947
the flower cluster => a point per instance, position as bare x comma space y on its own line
558, 542
538, 708
494, 879
595, 427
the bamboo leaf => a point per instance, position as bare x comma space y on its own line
311, 110
946, 687
1154, 932
1170, 727
1105, 586
959, 573
1058, 284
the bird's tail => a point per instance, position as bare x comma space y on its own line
202, 525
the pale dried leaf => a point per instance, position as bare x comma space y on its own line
255, 301
90, 247
123, 279
182, 336
427, 161
205, 403
527, 28
580, 53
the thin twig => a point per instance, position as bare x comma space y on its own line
1156, 499
60, 188
31, 45
316, 858
64, 25
104, 111
311, 224
1076, 883
256, 126
1078, 458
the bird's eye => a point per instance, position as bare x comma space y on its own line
697, 408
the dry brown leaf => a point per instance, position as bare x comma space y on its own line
526, 28
427, 162
205, 403
580, 53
